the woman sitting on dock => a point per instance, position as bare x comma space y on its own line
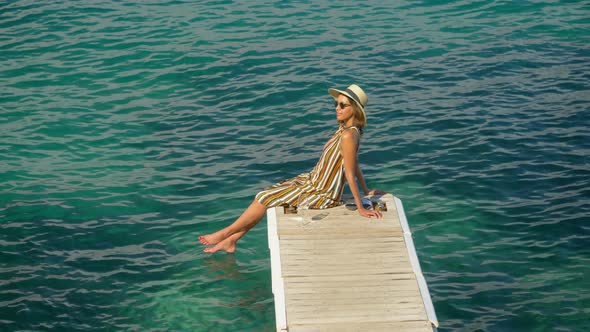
322, 187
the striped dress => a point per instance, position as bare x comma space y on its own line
319, 189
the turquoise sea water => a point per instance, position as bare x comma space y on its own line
130, 128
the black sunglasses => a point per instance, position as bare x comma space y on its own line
342, 105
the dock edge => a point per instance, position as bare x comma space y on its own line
278, 288
430, 313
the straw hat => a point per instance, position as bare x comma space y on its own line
355, 93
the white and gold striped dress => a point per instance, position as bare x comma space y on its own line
319, 189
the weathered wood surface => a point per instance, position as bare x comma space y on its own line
336, 271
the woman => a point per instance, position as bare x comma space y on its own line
322, 187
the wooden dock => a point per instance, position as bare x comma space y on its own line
333, 270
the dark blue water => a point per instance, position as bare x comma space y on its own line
130, 128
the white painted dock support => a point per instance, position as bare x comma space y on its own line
278, 289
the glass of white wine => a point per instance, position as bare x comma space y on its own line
303, 207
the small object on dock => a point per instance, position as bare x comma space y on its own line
367, 204
379, 206
344, 272
319, 216
288, 209
351, 206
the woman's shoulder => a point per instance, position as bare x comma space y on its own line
350, 131
350, 134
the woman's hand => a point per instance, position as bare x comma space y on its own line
369, 213
376, 192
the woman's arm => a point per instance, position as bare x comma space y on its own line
349, 145
361, 179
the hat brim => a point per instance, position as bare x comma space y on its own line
335, 93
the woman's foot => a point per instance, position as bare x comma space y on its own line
227, 245
226, 238
213, 238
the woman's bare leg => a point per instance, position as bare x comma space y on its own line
226, 238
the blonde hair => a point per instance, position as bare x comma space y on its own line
359, 120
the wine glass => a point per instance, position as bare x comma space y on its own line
303, 207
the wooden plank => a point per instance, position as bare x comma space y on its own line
373, 245
330, 217
315, 317
343, 233
340, 269
390, 295
295, 271
352, 224
335, 222
326, 249
359, 242
345, 262
370, 279
302, 289
333, 225
355, 281
376, 326
368, 299
328, 257
357, 309
344, 258
309, 242
352, 250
